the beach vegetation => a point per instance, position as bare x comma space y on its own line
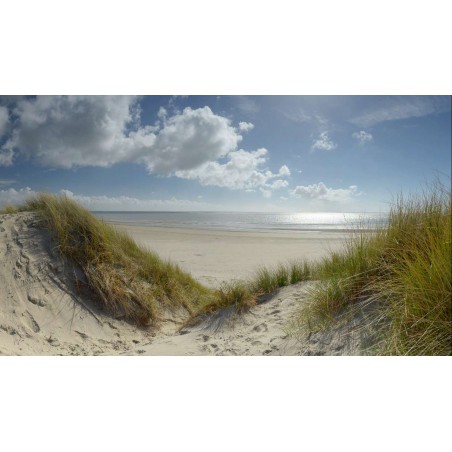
269, 279
404, 269
131, 282
236, 294
9, 208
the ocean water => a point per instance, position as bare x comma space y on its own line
246, 221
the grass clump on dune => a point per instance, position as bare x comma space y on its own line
405, 268
268, 280
131, 282
8, 208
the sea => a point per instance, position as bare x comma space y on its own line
250, 221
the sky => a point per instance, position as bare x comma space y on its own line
228, 153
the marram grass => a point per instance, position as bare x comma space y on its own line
130, 282
404, 268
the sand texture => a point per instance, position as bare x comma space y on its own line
44, 309
213, 256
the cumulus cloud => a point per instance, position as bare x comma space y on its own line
245, 126
67, 131
71, 131
284, 171
279, 184
197, 144
243, 170
321, 192
363, 137
15, 197
323, 143
188, 140
4, 120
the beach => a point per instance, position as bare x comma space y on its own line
45, 311
213, 256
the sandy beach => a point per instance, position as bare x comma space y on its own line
43, 311
213, 256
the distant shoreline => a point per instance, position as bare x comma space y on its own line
249, 222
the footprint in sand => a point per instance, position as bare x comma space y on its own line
37, 301
32, 322
261, 328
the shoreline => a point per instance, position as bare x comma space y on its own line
213, 256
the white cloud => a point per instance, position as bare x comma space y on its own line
321, 192
126, 203
242, 171
402, 108
6, 156
246, 126
162, 113
77, 131
68, 131
15, 197
284, 171
279, 184
363, 137
188, 140
4, 120
323, 143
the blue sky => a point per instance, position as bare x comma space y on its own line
243, 153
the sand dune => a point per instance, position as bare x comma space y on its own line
45, 310
41, 309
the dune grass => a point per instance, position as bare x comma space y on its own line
404, 268
131, 282
269, 279
9, 208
